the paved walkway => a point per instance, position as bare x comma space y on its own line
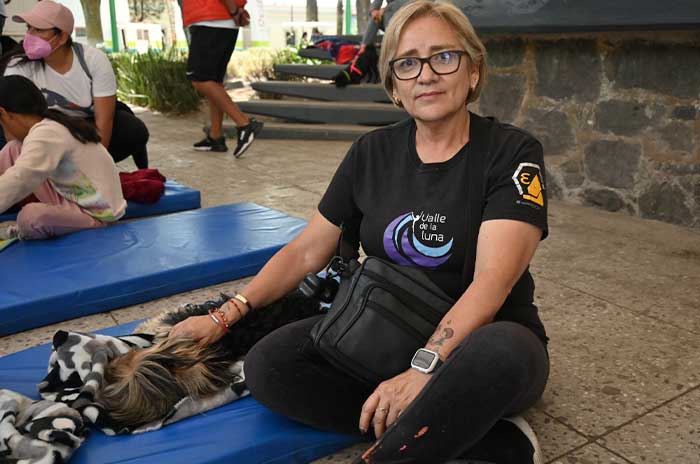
620, 297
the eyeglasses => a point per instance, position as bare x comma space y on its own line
441, 63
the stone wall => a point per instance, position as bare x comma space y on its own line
618, 115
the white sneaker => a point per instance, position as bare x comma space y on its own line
529, 435
510, 441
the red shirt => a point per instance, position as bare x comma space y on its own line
194, 11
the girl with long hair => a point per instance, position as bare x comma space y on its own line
60, 160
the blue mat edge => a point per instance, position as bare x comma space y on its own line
235, 269
51, 316
153, 292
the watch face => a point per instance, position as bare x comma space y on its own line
423, 359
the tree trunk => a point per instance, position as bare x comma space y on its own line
93, 23
311, 10
362, 15
135, 5
341, 17
170, 30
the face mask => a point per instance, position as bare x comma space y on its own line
36, 47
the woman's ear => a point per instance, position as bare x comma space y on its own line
5, 119
62, 38
474, 75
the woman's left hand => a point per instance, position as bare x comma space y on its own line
389, 399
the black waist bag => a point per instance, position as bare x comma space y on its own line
380, 316
384, 312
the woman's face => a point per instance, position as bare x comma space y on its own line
433, 97
51, 35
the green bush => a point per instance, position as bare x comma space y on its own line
258, 63
155, 80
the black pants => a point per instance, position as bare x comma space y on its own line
129, 137
499, 370
210, 51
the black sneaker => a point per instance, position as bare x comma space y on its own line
246, 136
210, 144
510, 441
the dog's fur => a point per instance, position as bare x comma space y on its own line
362, 69
144, 385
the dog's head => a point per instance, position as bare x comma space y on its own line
144, 385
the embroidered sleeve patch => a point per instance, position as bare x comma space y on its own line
528, 181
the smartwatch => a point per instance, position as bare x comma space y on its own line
426, 361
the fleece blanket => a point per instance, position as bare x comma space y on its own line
48, 431
41, 432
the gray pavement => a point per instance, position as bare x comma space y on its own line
619, 295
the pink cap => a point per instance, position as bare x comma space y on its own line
46, 15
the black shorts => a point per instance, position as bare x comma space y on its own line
210, 51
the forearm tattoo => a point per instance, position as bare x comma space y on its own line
441, 335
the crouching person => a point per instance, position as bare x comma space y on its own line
57, 158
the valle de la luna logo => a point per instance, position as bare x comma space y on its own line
407, 239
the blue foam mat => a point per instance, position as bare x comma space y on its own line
128, 263
242, 432
176, 197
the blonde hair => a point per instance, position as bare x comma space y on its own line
144, 385
454, 17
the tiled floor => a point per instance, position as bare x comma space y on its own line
620, 297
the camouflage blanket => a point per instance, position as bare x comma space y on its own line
37, 431
49, 430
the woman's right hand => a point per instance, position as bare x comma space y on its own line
199, 328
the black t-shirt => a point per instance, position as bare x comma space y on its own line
415, 214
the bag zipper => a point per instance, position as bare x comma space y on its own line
426, 311
389, 314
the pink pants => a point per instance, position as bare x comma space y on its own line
54, 215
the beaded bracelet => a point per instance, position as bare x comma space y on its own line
218, 321
223, 317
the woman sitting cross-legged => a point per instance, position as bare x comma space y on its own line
444, 191
76, 79
60, 160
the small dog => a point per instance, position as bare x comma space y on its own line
363, 68
144, 385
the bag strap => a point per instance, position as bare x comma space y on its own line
482, 132
79, 52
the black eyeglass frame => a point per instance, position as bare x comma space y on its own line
423, 61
